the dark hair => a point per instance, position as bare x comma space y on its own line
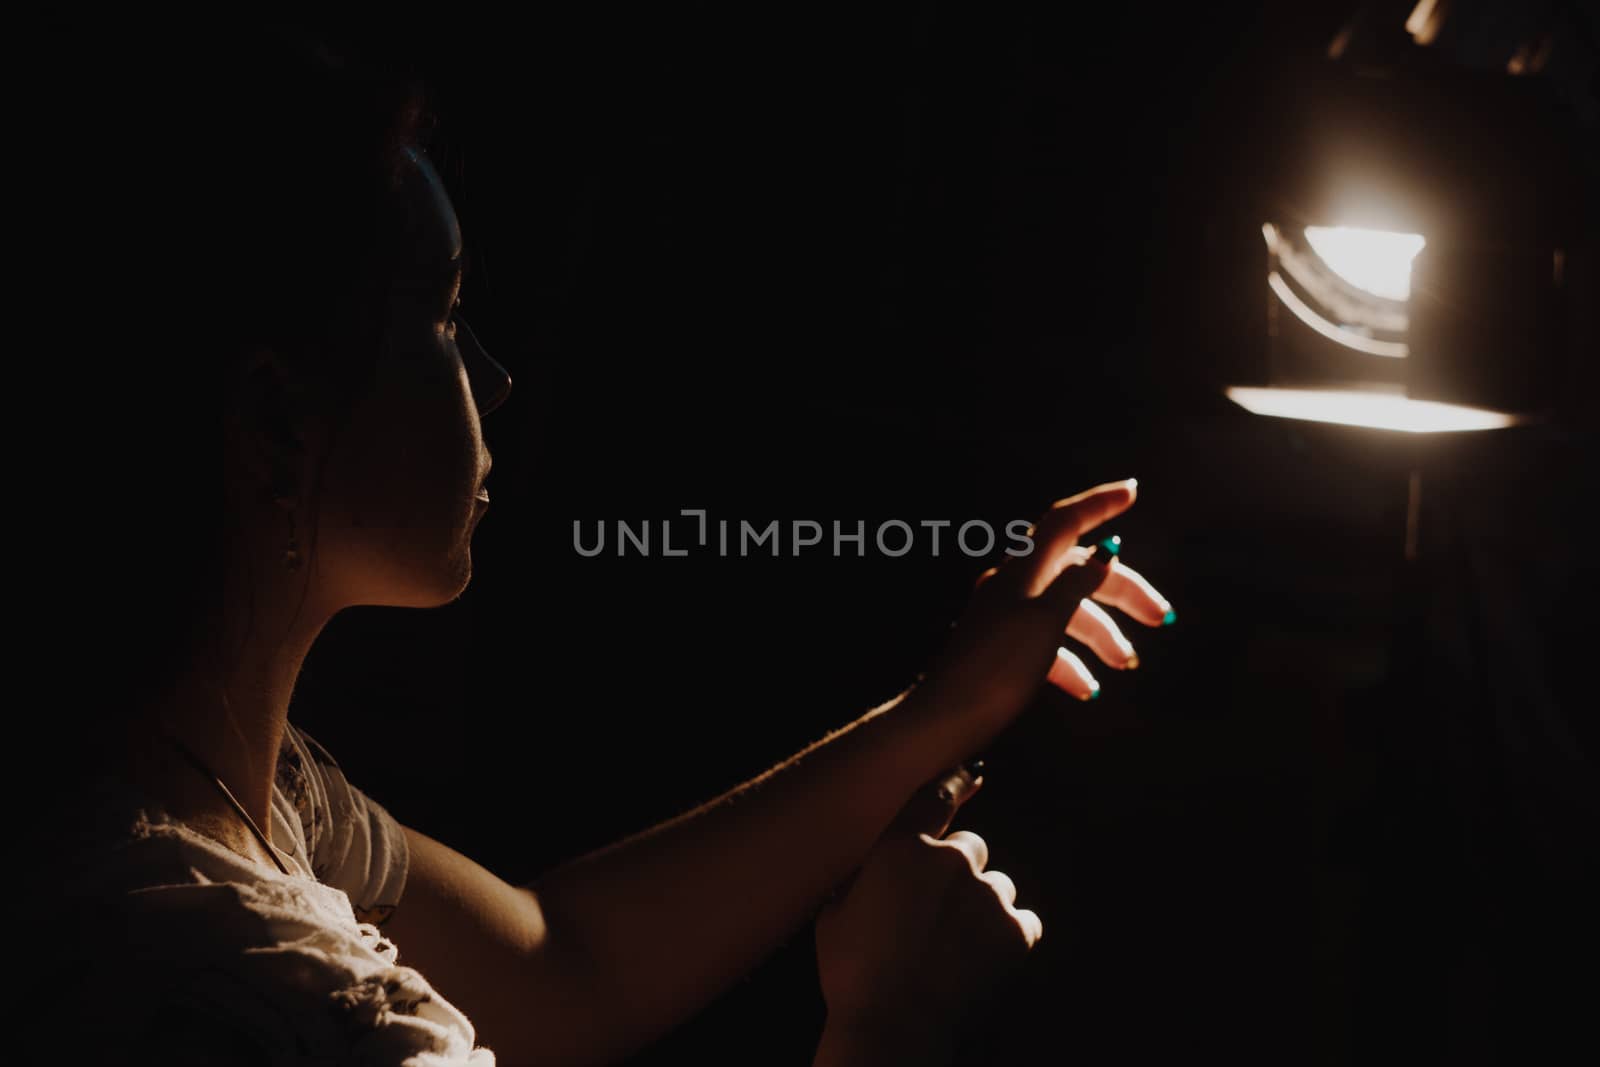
289, 154
249, 200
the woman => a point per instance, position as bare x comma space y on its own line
321, 396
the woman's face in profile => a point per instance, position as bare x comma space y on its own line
400, 494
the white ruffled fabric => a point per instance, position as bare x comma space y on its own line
188, 953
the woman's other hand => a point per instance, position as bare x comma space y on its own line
1012, 635
921, 929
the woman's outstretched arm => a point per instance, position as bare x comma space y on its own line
609, 951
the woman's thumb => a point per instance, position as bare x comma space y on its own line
929, 811
932, 807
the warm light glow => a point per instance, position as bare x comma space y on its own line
1425, 21
1375, 261
1379, 411
1308, 315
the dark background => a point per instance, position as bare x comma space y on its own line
950, 262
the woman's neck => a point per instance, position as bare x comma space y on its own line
230, 718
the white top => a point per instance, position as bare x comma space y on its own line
194, 954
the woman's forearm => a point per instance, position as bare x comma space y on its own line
667, 919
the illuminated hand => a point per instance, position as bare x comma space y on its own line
922, 929
1011, 636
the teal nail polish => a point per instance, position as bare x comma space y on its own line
1094, 694
1108, 549
1169, 618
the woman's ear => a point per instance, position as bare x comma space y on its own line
268, 424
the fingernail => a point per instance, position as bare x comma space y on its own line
1108, 549
1133, 483
1132, 664
1094, 694
1169, 618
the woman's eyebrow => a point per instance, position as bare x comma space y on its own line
454, 273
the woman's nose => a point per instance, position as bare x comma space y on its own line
491, 384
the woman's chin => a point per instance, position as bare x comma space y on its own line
444, 584
417, 577
459, 577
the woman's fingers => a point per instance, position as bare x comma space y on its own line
1091, 625
1069, 674
1032, 926
973, 846
1129, 591
1004, 887
1056, 534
